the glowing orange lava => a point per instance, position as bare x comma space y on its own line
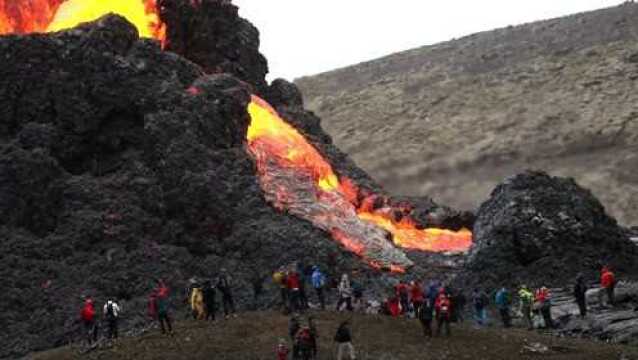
281, 151
27, 16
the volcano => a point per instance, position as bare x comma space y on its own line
293, 175
125, 156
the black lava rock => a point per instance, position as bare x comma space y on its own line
544, 230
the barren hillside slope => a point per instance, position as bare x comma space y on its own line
451, 120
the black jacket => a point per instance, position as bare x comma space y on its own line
579, 290
343, 334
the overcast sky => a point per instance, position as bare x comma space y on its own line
306, 37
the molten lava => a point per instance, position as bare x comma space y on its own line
27, 16
296, 178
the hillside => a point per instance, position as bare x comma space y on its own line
254, 336
453, 119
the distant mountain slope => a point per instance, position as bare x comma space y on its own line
451, 120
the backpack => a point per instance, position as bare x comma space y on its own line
479, 301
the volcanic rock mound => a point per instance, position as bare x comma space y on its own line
545, 230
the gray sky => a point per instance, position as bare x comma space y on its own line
305, 37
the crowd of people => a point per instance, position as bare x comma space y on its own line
433, 304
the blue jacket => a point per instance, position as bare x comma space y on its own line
502, 299
318, 279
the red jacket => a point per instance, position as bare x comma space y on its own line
394, 306
607, 278
401, 288
292, 281
443, 305
282, 352
88, 311
542, 295
417, 293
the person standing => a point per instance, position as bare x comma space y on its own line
357, 295
111, 313
580, 291
425, 313
608, 285
224, 285
443, 310
402, 292
282, 350
294, 292
293, 328
319, 282
87, 314
343, 338
162, 298
210, 300
416, 295
479, 302
503, 302
345, 293
279, 278
543, 299
526, 298
301, 272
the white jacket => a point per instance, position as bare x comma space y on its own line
116, 308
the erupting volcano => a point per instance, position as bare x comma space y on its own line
23, 17
296, 178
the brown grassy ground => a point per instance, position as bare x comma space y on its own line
254, 336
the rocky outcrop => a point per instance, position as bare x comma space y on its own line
618, 324
211, 34
545, 230
452, 120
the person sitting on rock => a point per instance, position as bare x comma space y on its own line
607, 285
580, 290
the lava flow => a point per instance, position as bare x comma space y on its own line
22, 17
296, 178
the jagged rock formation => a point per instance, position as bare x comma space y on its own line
452, 120
544, 230
211, 34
